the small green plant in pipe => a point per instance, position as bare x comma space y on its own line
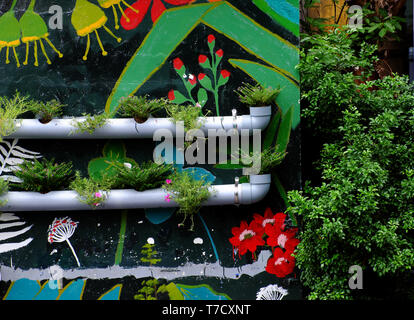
140, 108
46, 111
44, 175
141, 177
91, 192
257, 95
189, 193
90, 123
187, 115
10, 110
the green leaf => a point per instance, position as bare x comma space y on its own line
252, 37
202, 97
144, 62
112, 152
271, 131
266, 76
382, 32
283, 134
289, 25
221, 16
179, 98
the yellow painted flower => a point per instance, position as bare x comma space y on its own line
111, 3
10, 33
88, 18
34, 29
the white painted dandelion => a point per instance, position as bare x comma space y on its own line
271, 292
61, 230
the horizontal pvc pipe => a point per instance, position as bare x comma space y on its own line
228, 194
129, 129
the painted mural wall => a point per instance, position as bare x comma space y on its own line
88, 54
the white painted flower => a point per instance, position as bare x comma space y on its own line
198, 241
127, 165
150, 240
271, 292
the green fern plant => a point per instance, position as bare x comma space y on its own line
44, 175
257, 95
187, 115
10, 110
145, 176
91, 192
90, 123
140, 108
189, 193
46, 111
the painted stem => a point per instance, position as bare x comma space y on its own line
120, 248
283, 194
73, 252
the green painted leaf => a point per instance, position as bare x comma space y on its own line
112, 151
202, 97
168, 32
255, 39
222, 17
267, 76
179, 98
271, 130
283, 134
286, 23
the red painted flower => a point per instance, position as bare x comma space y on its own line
201, 76
142, 6
281, 263
225, 74
211, 38
281, 238
192, 79
171, 95
220, 53
246, 237
202, 59
269, 219
177, 63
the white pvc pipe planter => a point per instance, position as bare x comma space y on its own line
129, 129
228, 194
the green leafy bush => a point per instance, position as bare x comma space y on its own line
332, 69
10, 110
189, 193
363, 212
91, 122
44, 175
140, 108
257, 95
145, 176
91, 192
46, 111
188, 116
